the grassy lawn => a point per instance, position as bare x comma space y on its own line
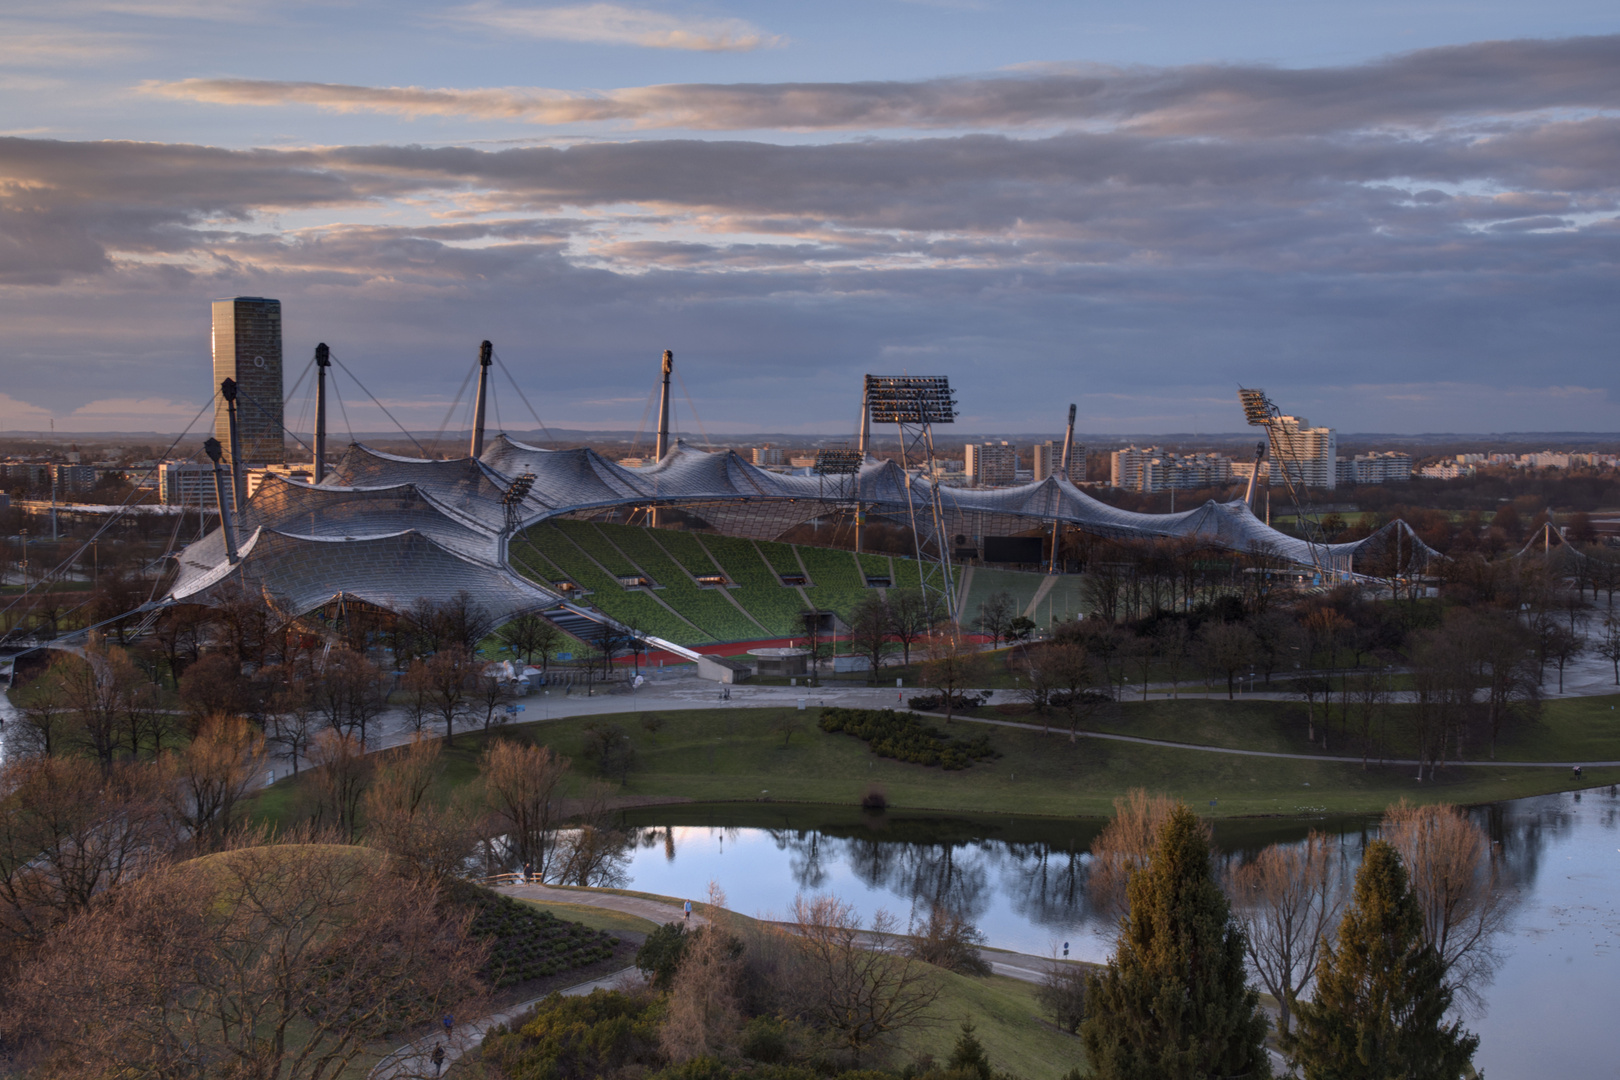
732, 755
1007, 1020
597, 918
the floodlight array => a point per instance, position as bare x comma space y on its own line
1257, 408
837, 462
519, 490
910, 399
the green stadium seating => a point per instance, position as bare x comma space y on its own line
774, 605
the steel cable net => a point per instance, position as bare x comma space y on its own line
392, 529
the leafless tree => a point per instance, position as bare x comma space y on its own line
349, 693
449, 677
208, 779
1227, 648
995, 614
529, 635
523, 788
282, 961
1072, 674
340, 772
861, 994
70, 831
1563, 645
1455, 877
432, 841
45, 720
1123, 847
910, 619
1175, 645
291, 723
492, 692
1288, 900
705, 1013
1608, 646
869, 629
951, 666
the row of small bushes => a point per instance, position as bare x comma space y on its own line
903, 737
959, 702
528, 943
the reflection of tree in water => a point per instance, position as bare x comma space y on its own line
806, 856
1046, 884
594, 856
926, 874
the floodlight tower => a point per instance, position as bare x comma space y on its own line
512, 499
844, 467
1259, 411
914, 404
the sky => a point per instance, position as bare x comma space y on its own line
1393, 217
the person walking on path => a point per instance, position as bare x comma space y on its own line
438, 1059
689, 911
449, 1024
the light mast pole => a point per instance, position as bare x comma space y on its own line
485, 351
323, 360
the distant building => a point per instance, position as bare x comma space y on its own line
1153, 469
74, 479
767, 456
1308, 455
25, 474
1389, 467
991, 464
188, 483
255, 477
247, 348
1049, 460
1446, 470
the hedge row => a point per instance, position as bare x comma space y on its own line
904, 737
528, 943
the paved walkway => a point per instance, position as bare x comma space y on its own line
655, 911
414, 1061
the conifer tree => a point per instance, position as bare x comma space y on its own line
1381, 996
1174, 1001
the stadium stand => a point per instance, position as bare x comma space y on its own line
757, 587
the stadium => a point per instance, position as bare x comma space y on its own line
686, 552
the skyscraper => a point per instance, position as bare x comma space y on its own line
1306, 453
247, 348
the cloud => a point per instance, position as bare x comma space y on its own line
1201, 227
24, 45
1424, 88
615, 24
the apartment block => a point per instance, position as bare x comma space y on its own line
991, 464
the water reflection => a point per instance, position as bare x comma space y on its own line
1024, 884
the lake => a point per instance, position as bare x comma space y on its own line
1546, 1011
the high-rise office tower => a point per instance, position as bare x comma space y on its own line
247, 348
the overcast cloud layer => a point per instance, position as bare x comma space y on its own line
1423, 242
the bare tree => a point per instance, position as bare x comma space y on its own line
910, 618
45, 720
995, 614
450, 676
1288, 900
70, 831
490, 695
1072, 675
1227, 648
705, 1013
1175, 645
281, 961
952, 665
1563, 645
1371, 691
433, 841
869, 628
1608, 646
1454, 876
1123, 847
349, 693
341, 770
859, 993
523, 788
528, 635
211, 777
291, 723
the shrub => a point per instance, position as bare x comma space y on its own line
904, 737
959, 701
1063, 995
524, 942
875, 798
660, 955
599, 1034
949, 941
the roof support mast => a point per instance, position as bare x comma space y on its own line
323, 360
485, 352
227, 390
1063, 467
663, 406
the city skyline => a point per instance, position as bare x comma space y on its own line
1397, 225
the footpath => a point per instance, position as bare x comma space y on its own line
414, 1061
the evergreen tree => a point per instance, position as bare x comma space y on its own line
1174, 1001
1381, 997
